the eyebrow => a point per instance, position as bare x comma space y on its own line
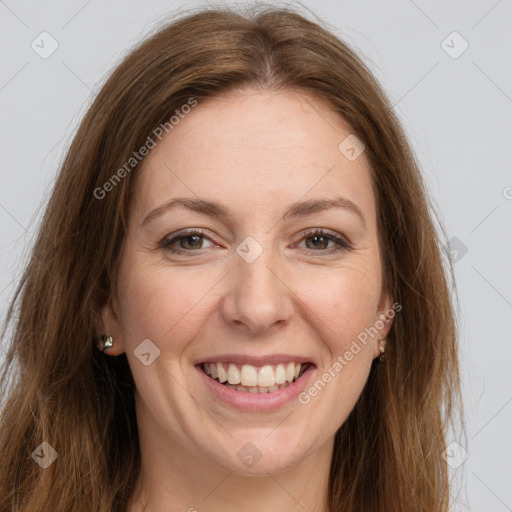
296, 210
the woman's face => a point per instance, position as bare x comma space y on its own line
264, 290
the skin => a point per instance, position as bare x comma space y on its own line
256, 153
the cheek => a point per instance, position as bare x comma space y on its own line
160, 304
343, 300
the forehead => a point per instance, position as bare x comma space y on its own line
249, 148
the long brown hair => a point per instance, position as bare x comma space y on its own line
58, 388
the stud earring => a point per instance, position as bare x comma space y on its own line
382, 348
106, 342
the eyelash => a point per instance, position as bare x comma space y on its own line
342, 243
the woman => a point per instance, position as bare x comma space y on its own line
236, 299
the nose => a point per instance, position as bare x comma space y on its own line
258, 298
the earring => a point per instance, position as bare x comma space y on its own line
382, 348
106, 342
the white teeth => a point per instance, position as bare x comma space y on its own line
290, 371
249, 375
222, 375
254, 379
266, 377
280, 374
233, 374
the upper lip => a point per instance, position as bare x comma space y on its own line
255, 360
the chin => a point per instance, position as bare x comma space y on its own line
257, 452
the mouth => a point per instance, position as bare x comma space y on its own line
247, 378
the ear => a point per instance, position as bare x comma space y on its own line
386, 311
108, 324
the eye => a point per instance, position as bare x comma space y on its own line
318, 240
186, 241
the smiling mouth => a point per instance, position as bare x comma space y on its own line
255, 379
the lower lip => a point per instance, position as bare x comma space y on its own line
259, 402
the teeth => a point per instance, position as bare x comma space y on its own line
222, 375
280, 374
253, 379
249, 375
266, 377
233, 374
290, 371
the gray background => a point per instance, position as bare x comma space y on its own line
457, 110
